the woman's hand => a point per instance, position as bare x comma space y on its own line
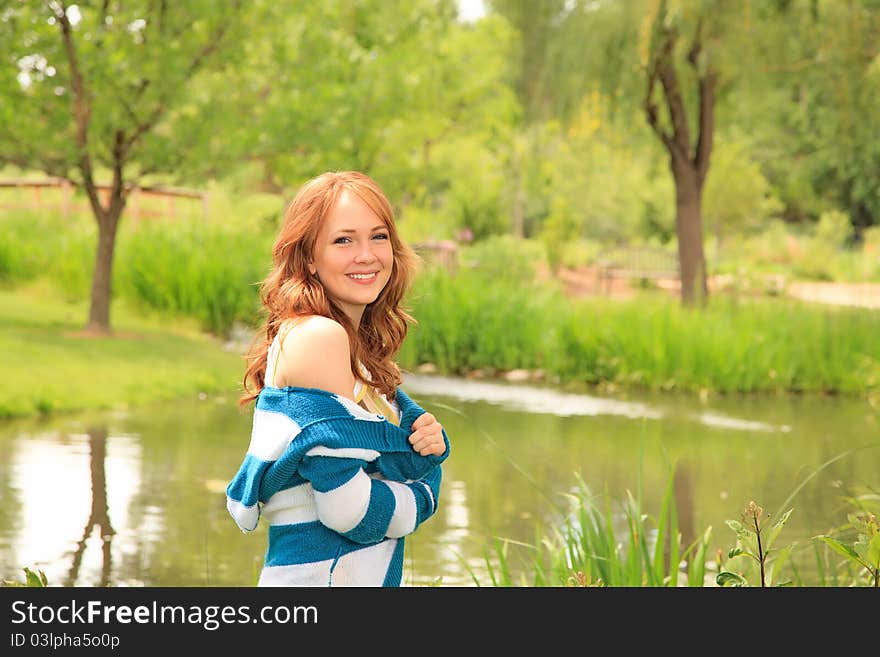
427, 435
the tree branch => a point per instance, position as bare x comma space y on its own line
650, 106
211, 46
674, 102
707, 78
81, 108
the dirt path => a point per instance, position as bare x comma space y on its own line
584, 281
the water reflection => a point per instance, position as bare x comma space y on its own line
67, 486
138, 499
683, 490
99, 515
533, 399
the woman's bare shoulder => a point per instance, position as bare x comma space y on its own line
315, 353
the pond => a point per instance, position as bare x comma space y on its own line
136, 498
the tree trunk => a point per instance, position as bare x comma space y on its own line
102, 276
689, 160
689, 228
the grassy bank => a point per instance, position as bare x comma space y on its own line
491, 314
494, 314
490, 322
49, 366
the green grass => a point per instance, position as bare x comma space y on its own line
48, 366
492, 315
735, 345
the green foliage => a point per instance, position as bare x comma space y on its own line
533, 108
202, 270
737, 197
810, 253
36, 244
466, 321
590, 549
149, 83
559, 229
503, 258
614, 183
34, 579
476, 186
824, 248
862, 548
755, 542
23, 250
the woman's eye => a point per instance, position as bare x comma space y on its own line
342, 240
380, 236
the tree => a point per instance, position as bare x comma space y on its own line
593, 46
351, 87
538, 25
825, 56
688, 156
95, 89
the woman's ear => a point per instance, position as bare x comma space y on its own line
312, 269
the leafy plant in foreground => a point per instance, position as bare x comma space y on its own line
756, 543
865, 550
31, 579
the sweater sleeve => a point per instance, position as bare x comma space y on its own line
409, 465
365, 509
397, 460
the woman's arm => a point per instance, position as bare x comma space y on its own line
365, 509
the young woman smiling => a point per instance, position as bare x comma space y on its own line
341, 463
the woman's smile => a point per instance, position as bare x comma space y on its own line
364, 278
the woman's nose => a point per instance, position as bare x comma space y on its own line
365, 253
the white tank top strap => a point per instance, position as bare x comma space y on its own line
275, 350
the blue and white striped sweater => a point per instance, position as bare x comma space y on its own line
339, 486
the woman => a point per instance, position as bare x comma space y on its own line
342, 463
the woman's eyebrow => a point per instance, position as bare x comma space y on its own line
352, 230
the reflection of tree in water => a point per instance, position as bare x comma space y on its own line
684, 502
99, 513
683, 499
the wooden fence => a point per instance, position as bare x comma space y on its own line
442, 253
60, 195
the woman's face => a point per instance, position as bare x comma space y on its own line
353, 257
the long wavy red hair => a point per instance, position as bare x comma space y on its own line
290, 291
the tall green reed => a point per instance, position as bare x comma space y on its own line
596, 545
592, 543
38, 244
467, 322
199, 269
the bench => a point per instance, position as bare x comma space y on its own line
635, 262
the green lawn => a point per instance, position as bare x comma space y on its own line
49, 366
